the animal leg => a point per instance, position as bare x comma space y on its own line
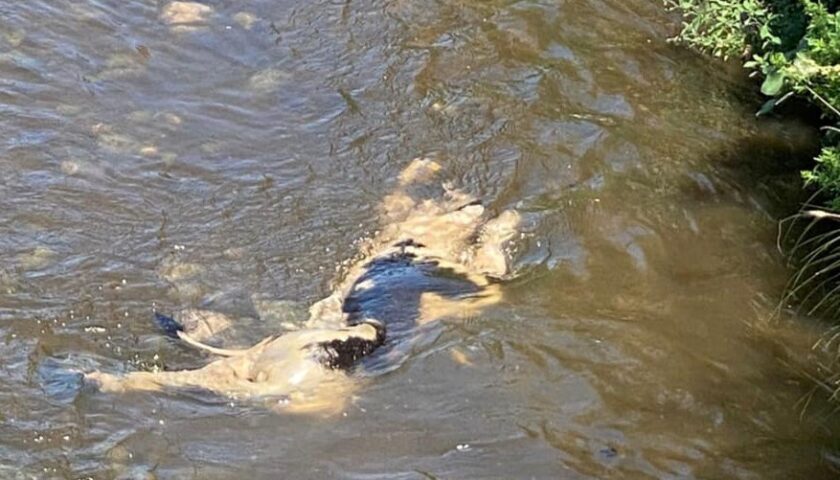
398, 205
140, 381
228, 375
434, 306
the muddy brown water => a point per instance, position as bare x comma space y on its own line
148, 165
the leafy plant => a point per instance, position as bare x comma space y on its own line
826, 175
724, 28
794, 45
811, 68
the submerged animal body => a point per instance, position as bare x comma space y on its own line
434, 258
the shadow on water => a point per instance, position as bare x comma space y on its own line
769, 165
763, 169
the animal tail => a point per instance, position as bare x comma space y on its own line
173, 328
169, 325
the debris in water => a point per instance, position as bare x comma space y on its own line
245, 20
37, 258
169, 118
609, 452
149, 151
460, 358
267, 80
169, 158
69, 167
14, 37
352, 104
144, 52
185, 13
99, 128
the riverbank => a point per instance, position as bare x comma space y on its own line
793, 48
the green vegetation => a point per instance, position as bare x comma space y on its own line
793, 46
723, 28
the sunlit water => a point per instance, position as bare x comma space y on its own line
146, 165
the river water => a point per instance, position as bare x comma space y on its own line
147, 164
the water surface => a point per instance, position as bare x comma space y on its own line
146, 165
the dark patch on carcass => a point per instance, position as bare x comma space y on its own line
344, 354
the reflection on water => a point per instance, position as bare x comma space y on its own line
151, 161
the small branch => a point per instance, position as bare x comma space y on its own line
824, 101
